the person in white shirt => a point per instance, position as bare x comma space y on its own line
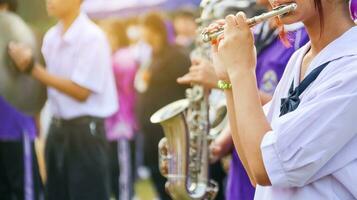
81, 93
303, 144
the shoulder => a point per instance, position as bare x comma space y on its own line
93, 32
50, 34
339, 77
342, 68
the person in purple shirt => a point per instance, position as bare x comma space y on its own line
273, 56
19, 174
353, 10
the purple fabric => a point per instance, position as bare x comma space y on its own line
271, 63
111, 8
122, 124
13, 123
28, 172
353, 9
170, 32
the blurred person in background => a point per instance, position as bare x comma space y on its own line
19, 171
122, 126
185, 28
273, 54
353, 10
81, 93
168, 63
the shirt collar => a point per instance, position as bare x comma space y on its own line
73, 31
341, 47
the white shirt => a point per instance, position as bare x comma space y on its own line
82, 55
311, 153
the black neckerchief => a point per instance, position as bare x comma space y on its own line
290, 103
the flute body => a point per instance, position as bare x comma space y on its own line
208, 36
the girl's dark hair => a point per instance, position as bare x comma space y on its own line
318, 6
155, 23
11, 3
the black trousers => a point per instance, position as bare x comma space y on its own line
77, 160
217, 173
12, 171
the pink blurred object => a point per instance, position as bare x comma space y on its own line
353, 9
122, 125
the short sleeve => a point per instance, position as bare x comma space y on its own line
93, 65
302, 143
45, 49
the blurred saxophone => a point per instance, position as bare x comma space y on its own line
185, 147
184, 151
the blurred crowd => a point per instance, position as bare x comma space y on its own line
104, 79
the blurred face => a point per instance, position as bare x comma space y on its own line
185, 26
305, 11
60, 8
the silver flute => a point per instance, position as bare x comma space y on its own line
208, 36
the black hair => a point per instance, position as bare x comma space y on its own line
318, 6
11, 3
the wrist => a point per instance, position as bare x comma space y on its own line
223, 85
38, 71
239, 74
30, 66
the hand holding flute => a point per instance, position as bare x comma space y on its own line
236, 50
213, 32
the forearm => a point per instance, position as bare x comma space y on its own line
235, 136
65, 86
251, 122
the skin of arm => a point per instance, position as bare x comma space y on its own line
22, 55
61, 84
235, 136
236, 63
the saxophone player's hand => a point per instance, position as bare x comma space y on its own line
201, 72
163, 155
221, 146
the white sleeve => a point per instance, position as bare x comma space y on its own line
45, 49
301, 144
93, 66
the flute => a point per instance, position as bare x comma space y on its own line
208, 36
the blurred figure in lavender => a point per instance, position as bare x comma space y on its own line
122, 126
168, 63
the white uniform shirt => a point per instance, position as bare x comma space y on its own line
82, 55
311, 153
